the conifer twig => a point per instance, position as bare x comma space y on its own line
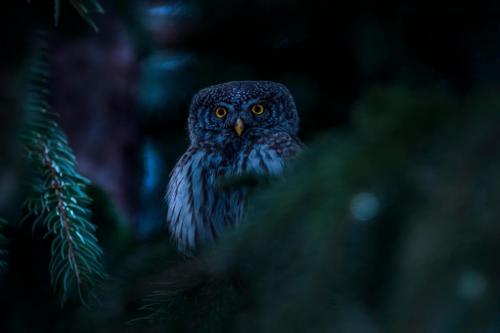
58, 200
82, 7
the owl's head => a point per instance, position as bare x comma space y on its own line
240, 110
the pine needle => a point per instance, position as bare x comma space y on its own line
84, 9
57, 11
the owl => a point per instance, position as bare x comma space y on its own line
235, 128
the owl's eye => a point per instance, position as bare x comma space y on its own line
258, 109
220, 112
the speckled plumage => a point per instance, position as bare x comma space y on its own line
198, 208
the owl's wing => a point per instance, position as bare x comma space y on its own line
196, 213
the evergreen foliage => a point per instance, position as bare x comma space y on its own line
58, 201
193, 289
371, 231
84, 9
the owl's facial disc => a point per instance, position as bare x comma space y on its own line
239, 126
241, 110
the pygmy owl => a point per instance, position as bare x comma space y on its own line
235, 128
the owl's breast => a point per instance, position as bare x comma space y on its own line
267, 154
202, 201
230, 151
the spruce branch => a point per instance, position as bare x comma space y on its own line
84, 9
193, 287
58, 200
3, 243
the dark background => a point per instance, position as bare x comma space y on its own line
123, 95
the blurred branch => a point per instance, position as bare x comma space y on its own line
58, 198
83, 7
248, 180
192, 287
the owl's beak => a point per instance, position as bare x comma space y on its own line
239, 126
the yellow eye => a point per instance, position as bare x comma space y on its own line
220, 112
258, 109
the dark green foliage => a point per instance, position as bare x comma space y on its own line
83, 7
58, 201
3, 243
309, 260
192, 289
